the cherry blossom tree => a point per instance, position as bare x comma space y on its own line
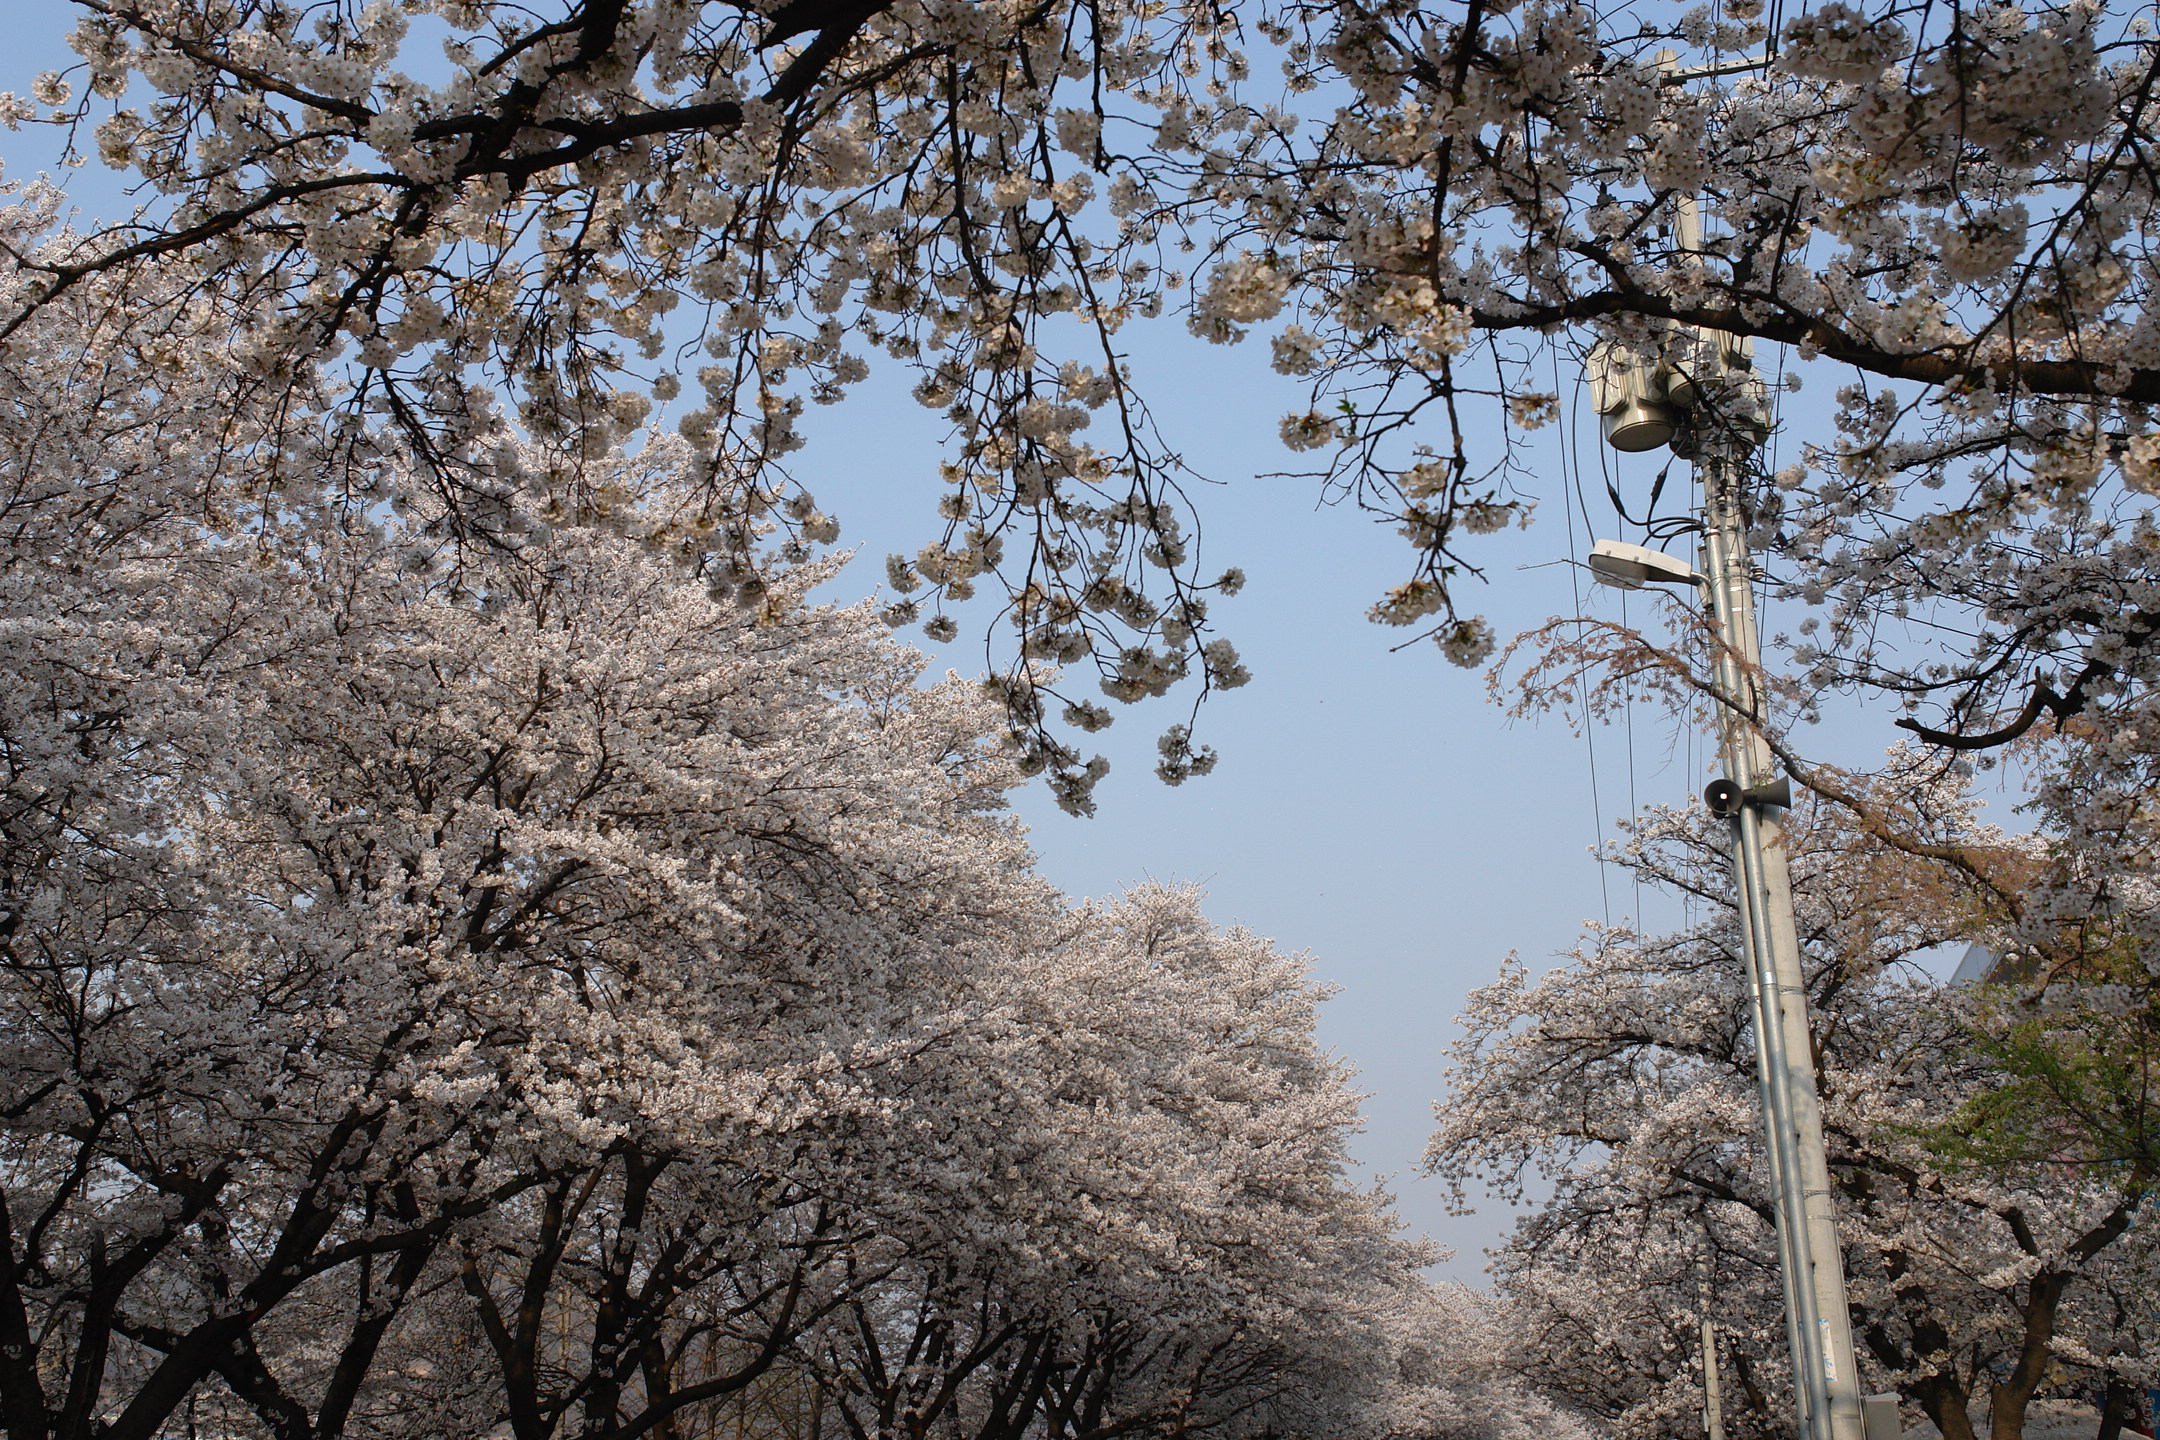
1457, 1374
505, 987
373, 931
1627, 1078
1210, 1273
469, 206
474, 205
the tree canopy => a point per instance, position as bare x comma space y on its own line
563, 216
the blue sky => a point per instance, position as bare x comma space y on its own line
1373, 809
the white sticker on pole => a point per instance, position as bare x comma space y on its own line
1829, 1360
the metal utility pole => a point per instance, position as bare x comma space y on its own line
1826, 1373
1640, 406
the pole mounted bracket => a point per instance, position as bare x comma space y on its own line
1725, 797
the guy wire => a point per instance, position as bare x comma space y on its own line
1634, 805
1606, 473
1571, 485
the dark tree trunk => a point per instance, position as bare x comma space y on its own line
2115, 1403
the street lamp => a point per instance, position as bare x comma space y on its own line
1630, 567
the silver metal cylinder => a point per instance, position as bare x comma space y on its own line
1638, 425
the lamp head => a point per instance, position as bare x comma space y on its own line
1615, 562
